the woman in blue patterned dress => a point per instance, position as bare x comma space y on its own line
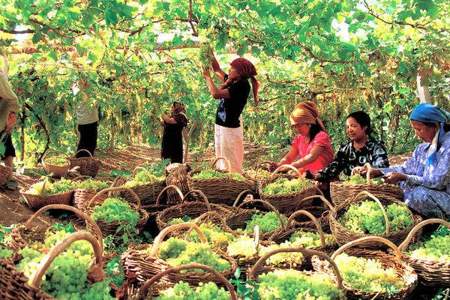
425, 177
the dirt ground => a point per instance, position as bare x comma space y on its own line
14, 210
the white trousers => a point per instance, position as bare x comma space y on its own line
229, 143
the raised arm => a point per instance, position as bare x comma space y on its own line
216, 68
216, 93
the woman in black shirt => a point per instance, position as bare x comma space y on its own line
172, 141
361, 149
232, 96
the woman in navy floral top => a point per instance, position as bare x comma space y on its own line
425, 177
361, 149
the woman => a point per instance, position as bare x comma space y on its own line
87, 120
362, 148
311, 150
232, 96
8, 118
425, 177
172, 141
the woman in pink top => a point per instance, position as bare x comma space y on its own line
311, 149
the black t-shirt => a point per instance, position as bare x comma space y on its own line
230, 109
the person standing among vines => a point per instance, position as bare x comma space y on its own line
172, 141
8, 118
87, 120
232, 96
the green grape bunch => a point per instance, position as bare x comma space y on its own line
367, 217
436, 248
116, 210
205, 291
267, 222
91, 184
215, 174
57, 161
205, 55
284, 186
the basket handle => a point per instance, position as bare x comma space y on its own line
148, 284
364, 194
283, 167
238, 198
137, 169
87, 219
227, 162
63, 245
115, 189
202, 195
267, 205
314, 219
160, 237
372, 238
174, 187
310, 252
200, 219
404, 245
84, 150
322, 198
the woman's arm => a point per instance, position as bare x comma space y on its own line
308, 158
168, 120
216, 93
216, 68
289, 157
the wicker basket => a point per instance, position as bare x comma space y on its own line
431, 273
177, 174
344, 235
147, 192
404, 271
57, 171
340, 192
14, 286
287, 203
140, 266
143, 292
5, 174
221, 190
95, 273
191, 209
293, 227
260, 268
88, 166
81, 197
319, 212
38, 201
111, 228
240, 216
22, 235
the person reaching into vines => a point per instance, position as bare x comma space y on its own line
172, 141
232, 95
87, 119
8, 118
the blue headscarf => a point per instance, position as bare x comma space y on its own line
429, 113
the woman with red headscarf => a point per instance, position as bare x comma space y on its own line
232, 96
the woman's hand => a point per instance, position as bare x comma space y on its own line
364, 169
394, 177
206, 72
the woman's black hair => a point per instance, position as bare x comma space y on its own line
363, 120
430, 124
313, 131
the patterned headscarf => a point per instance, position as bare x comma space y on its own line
307, 113
246, 69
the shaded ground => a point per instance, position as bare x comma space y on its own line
13, 210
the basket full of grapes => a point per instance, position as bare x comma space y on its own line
147, 182
85, 190
57, 165
45, 192
115, 214
182, 290
142, 264
430, 256
191, 209
286, 193
342, 190
220, 186
368, 274
367, 214
286, 284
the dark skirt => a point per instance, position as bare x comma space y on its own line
88, 138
